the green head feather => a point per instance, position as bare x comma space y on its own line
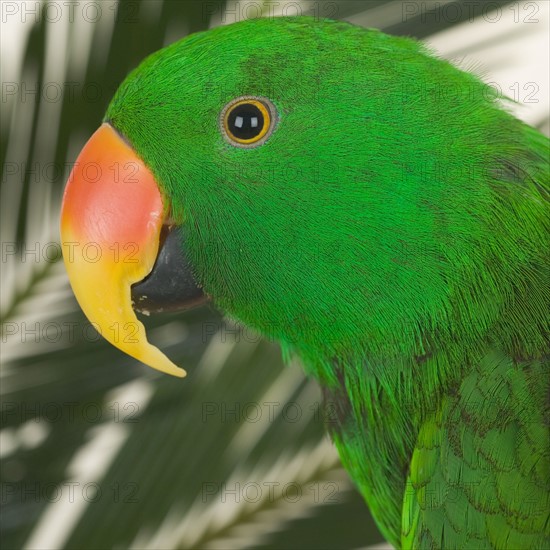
383, 216
391, 227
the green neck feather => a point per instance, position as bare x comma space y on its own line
385, 232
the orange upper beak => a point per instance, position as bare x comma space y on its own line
111, 217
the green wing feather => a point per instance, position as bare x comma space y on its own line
480, 471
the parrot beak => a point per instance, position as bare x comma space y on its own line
112, 227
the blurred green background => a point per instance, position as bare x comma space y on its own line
97, 450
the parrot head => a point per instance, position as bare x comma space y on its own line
277, 167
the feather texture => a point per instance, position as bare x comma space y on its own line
393, 232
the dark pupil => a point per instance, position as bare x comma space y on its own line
245, 121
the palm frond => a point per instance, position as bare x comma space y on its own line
98, 451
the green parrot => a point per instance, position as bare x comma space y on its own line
375, 210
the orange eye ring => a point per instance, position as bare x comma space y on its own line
248, 121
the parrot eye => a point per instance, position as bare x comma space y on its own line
248, 121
